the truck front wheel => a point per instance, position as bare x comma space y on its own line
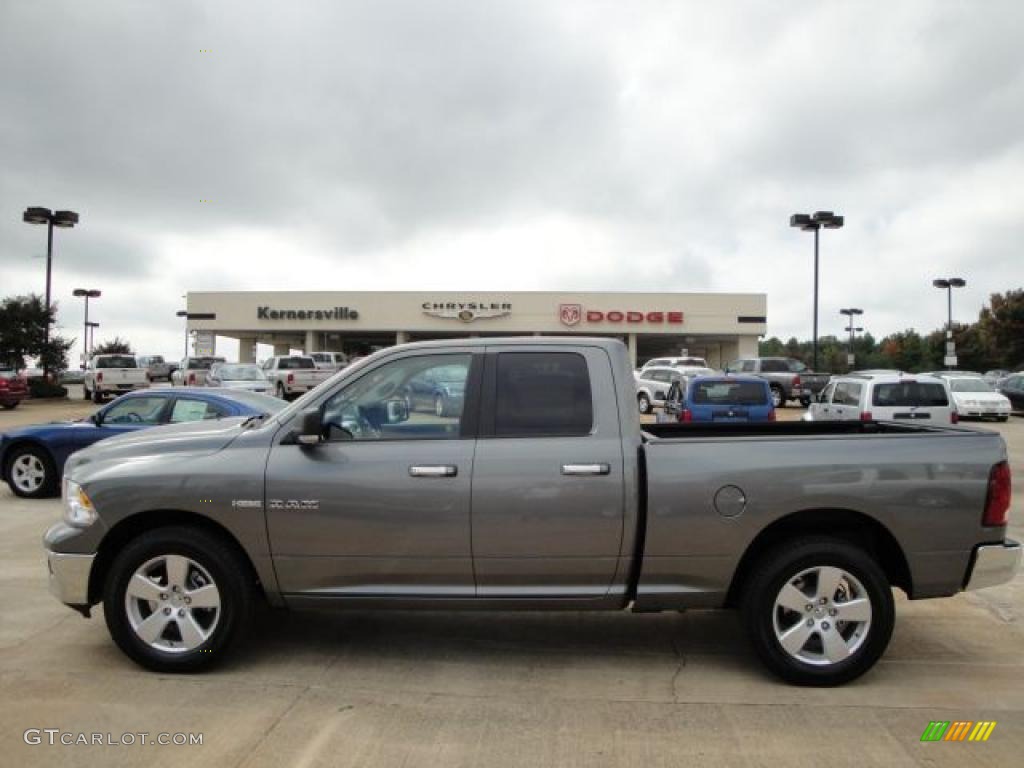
819, 611
176, 598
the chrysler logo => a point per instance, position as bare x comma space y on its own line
467, 311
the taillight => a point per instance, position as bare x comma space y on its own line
191, 378
99, 376
865, 416
997, 503
796, 381
3, 384
771, 415
291, 378
686, 416
954, 418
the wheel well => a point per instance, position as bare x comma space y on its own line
854, 527
133, 526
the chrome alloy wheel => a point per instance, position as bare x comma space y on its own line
173, 604
28, 473
822, 616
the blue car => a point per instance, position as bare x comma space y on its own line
32, 458
739, 399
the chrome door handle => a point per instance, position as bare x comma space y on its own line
586, 469
434, 470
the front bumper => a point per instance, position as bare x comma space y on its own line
69, 577
994, 564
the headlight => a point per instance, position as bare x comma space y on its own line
78, 508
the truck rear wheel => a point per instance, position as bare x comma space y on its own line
778, 397
176, 598
819, 611
643, 402
97, 396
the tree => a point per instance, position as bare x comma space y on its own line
116, 346
1001, 326
23, 323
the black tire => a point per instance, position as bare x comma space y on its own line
1002, 418
85, 392
771, 574
280, 391
50, 485
778, 397
97, 397
14, 404
230, 573
643, 402
805, 402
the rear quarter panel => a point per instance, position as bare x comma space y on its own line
927, 489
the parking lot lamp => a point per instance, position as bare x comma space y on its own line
949, 284
86, 293
92, 333
64, 219
813, 223
850, 313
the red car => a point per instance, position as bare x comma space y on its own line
13, 388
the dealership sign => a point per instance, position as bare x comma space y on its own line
574, 314
466, 311
326, 313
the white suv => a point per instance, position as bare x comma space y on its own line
884, 397
675, 362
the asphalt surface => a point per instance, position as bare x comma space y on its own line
498, 689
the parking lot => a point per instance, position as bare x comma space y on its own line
493, 689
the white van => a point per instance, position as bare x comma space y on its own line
884, 397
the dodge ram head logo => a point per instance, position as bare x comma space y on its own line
570, 314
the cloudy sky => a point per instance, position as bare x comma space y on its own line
513, 145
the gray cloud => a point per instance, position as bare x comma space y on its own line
609, 146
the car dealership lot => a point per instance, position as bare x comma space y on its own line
501, 688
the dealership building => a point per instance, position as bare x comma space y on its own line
717, 326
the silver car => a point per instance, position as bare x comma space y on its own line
238, 376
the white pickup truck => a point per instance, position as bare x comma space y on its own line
107, 375
292, 375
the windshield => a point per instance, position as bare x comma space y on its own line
970, 385
241, 372
116, 361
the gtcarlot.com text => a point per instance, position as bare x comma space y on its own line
58, 737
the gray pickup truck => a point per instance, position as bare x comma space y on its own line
542, 490
788, 378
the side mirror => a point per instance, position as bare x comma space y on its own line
96, 418
311, 428
398, 411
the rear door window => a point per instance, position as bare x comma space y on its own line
542, 394
774, 366
187, 409
908, 394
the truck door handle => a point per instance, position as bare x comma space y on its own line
586, 469
433, 470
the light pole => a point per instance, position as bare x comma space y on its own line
850, 313
86, 293
64, 219
949, 284
193, 316
813, 223
92, 333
